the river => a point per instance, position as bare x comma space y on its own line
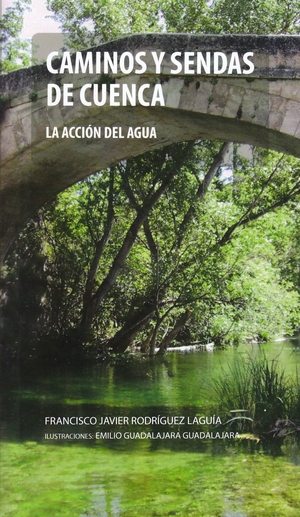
131, 439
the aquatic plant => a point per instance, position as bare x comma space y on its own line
258, 397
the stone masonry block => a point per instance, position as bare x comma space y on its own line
234, 101
219, 98
292, 117
203, 96
277, 110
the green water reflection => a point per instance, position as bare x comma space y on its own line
42, 477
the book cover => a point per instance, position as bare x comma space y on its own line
149, 239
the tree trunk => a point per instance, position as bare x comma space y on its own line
124, 337
88, 308
167, 340
200, 194
130, 238
145, 345
154, 338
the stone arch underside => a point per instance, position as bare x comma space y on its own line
35, 168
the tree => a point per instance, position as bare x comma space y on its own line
90, 23
234, 17
14, 50
163, 247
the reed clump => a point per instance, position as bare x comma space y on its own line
258, 397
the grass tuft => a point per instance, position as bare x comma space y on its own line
258, 397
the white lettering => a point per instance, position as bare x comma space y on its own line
49, 62
158, 61
249, 63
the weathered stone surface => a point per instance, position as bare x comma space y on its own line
263, 110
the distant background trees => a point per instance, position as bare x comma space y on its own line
14, 51
89, 23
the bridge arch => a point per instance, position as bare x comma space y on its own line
262, 109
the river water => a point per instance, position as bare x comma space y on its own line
143, 448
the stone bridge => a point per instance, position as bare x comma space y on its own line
262, 108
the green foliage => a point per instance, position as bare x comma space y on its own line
104, 79
256, 393
256, 16
15, 51
33, 96
234, 17
90, 23
23, 286
233, 265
